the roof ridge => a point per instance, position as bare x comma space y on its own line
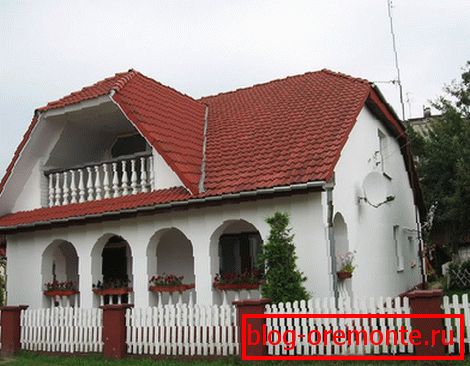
260, 84
123, 80
327, 71
165, 86
346, 76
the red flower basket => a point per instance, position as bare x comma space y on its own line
60, 293
235, 286
112, 291
343, 275
176, 288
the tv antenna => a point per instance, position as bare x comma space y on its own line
395, 52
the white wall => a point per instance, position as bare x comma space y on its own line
164, 176
198, 225
370, 230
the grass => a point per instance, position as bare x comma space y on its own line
31, 359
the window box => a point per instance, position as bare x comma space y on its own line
236, 286
60, 293
171, 289
112, 291
342, 275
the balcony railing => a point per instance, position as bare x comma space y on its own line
108, 179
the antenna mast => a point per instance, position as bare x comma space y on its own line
395, 52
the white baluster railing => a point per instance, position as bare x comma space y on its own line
109, 179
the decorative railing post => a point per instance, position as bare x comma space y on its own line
113, 178
11, 329
114, 330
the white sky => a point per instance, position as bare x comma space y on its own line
50, 48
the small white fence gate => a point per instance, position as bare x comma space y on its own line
62, 330
346, 306
183, 329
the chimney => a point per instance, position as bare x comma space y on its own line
426, 112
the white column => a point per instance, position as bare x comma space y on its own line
84, 272
138, 238
200, 240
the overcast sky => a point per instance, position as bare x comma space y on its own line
51, 48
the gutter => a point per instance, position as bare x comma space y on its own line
185, 203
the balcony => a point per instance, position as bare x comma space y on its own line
108, 179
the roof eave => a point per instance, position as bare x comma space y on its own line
175, 204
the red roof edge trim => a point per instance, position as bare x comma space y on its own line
383, 112
346, 136
188, 185
390, 116
18, 151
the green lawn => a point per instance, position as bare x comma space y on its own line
31, 359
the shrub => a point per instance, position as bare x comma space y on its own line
283, 281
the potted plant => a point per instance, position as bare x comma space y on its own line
168, 283
56, 288
248, 280
346, 265
112, 286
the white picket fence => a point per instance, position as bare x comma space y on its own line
62, 330
183, 329
346, 306
457, 305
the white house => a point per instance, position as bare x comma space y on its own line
131, 178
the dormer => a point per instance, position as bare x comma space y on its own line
81, 148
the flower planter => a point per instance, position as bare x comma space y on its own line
343, 275
236, 287
112, 291
176, 288
60, 293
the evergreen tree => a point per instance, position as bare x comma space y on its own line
283, 281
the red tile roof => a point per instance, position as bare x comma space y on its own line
283, 132
95, 207
173, 124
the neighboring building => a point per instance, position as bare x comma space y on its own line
129, 178
421, 125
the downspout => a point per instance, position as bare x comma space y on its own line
328, 187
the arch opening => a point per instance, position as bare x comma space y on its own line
60, 278
234, 251
170, 253
112, 270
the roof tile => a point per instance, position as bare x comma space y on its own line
283, 132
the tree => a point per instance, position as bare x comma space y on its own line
444, 160
283, 281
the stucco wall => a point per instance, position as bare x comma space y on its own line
198, 225
370, 230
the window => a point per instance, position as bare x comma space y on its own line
398, 249
129, 145
239, 252
384, 152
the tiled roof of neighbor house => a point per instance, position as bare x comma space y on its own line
283, 132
